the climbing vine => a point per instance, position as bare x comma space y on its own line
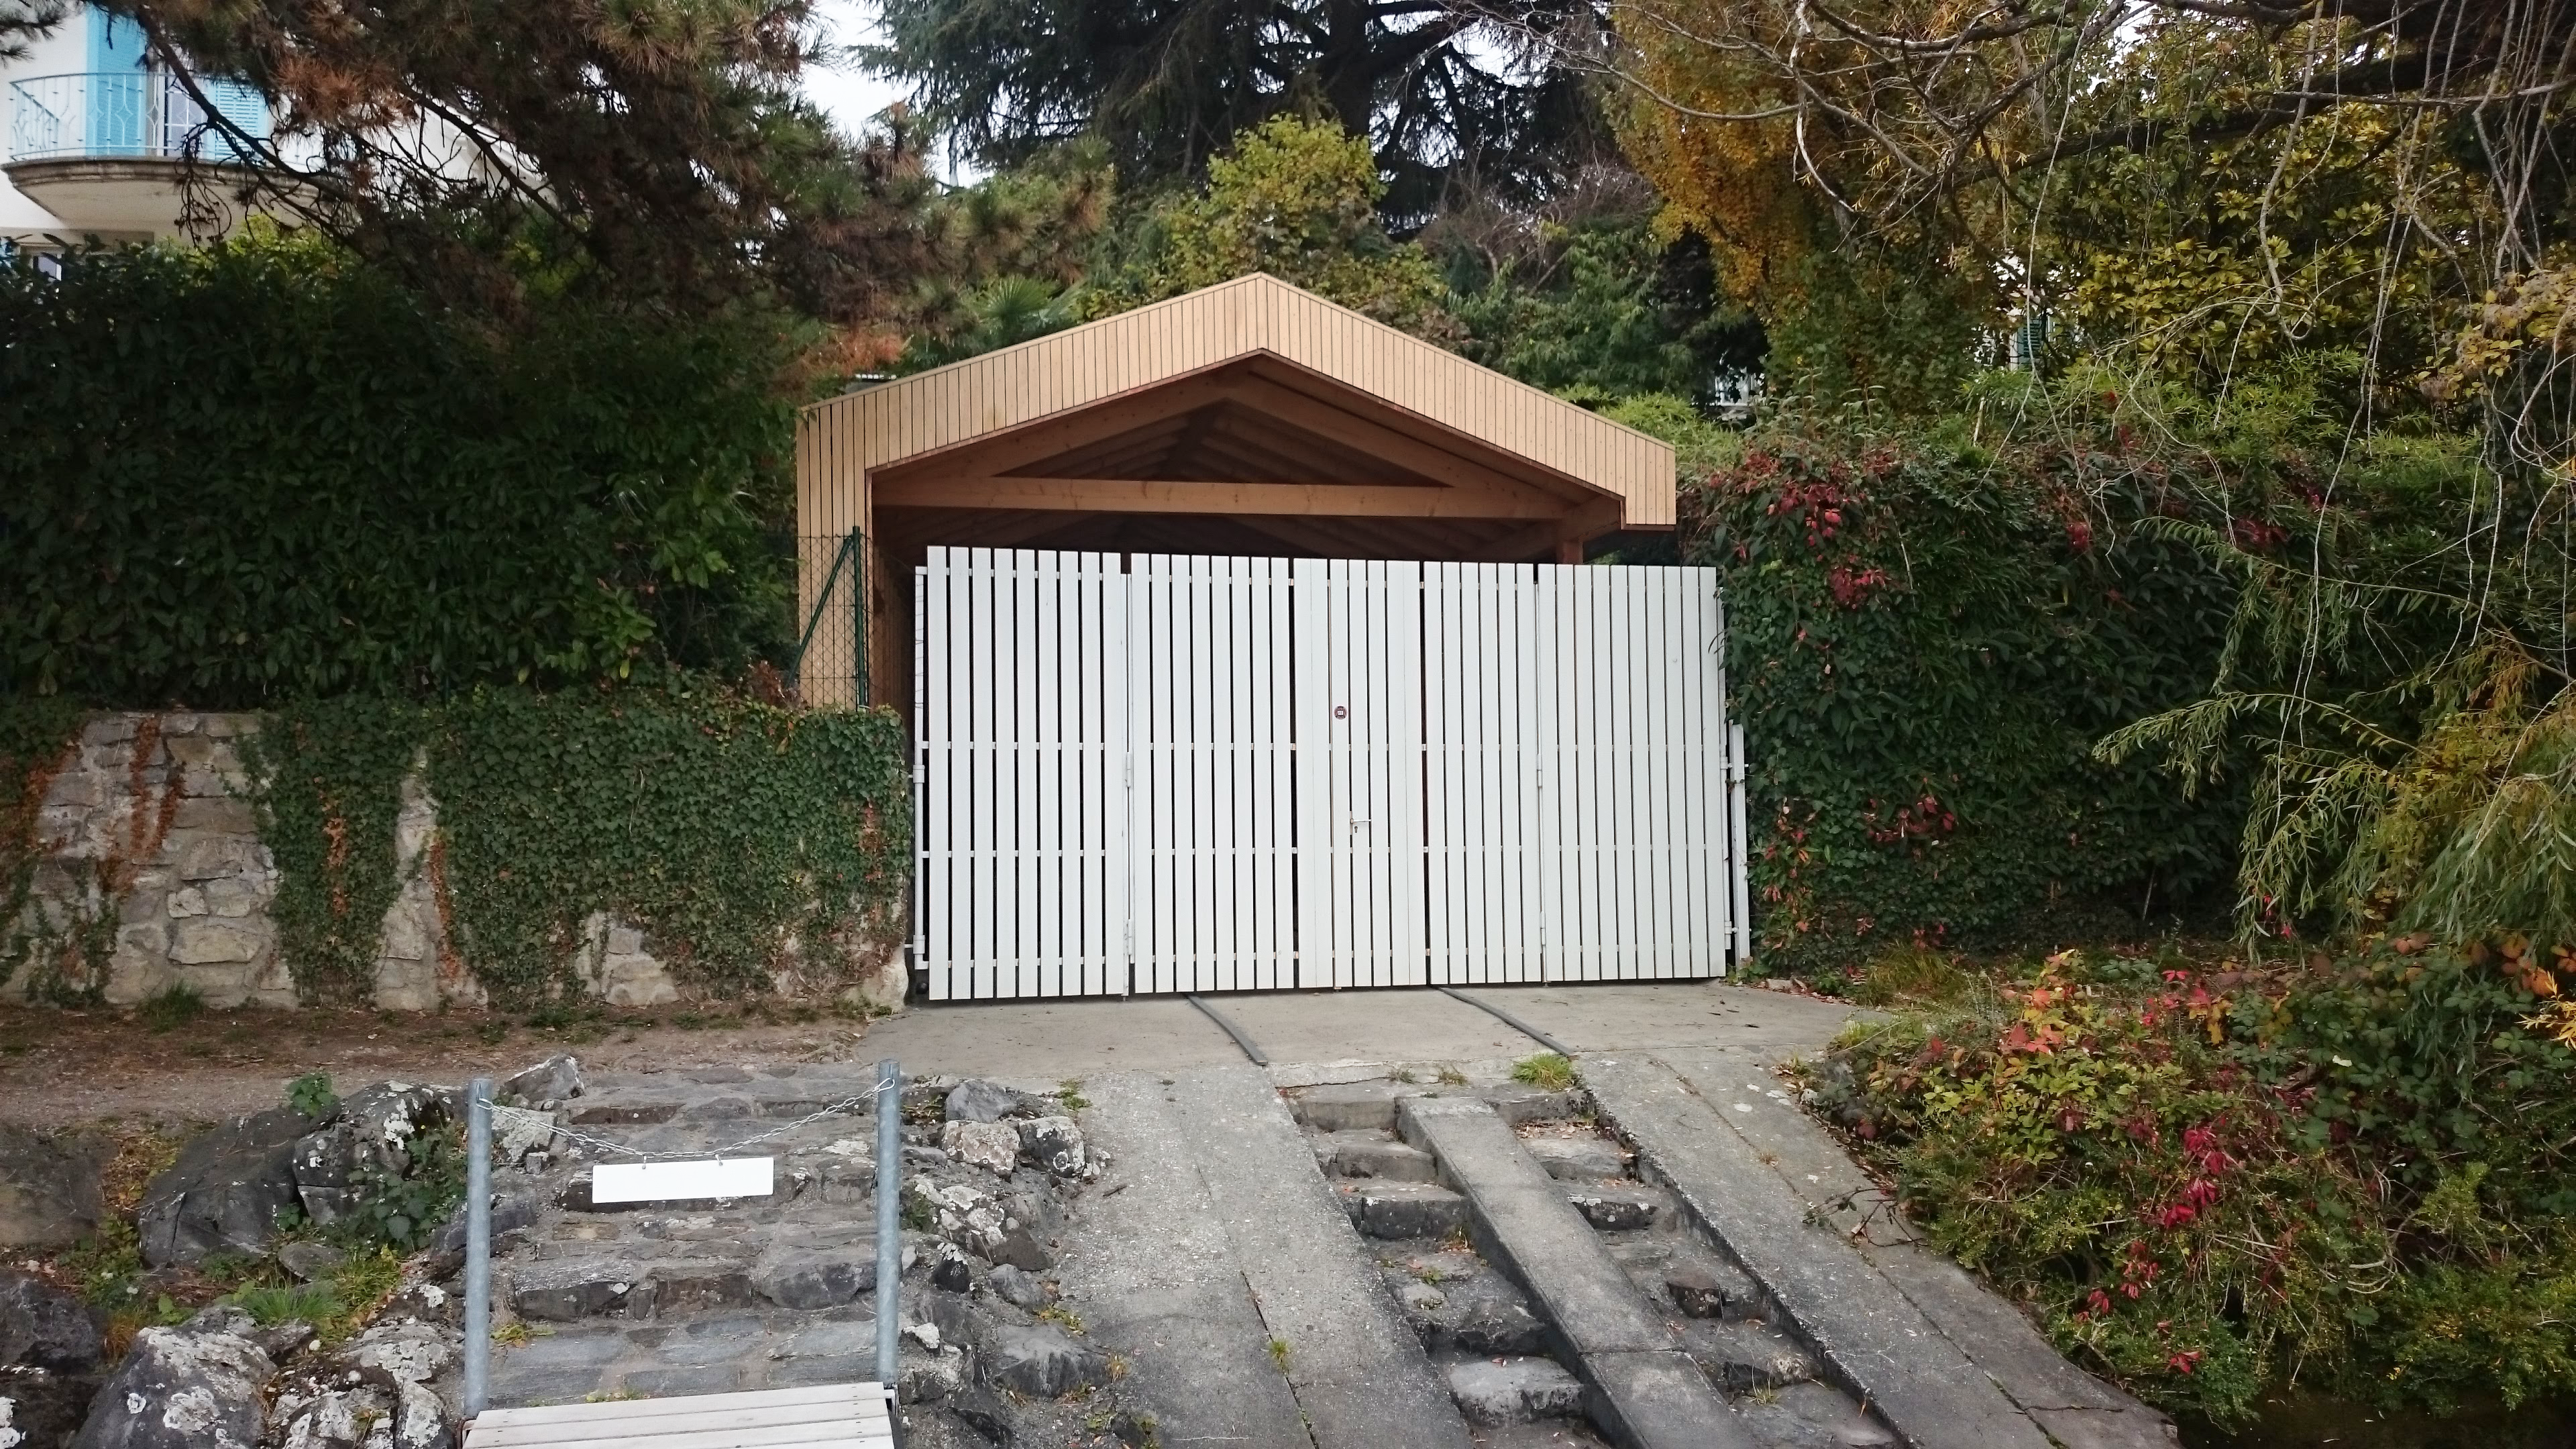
36, 735
750, 843
326, 777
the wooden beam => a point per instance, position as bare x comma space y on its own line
1403, 449
1156, 495
1032, 442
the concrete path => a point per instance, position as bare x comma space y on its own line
1053, 1040
1225, 1270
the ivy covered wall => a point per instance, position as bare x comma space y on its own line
502, 846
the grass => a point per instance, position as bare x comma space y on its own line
1062, 1317
1069, 1092
1547, 1071
271, 1304
1450, 1076
170, 1008
1279, 1353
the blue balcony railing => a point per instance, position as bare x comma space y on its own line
128, 113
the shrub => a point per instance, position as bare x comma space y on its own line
1925, 640
2357, 1170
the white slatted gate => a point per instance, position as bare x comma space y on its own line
1185, 774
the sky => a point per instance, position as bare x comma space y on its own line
848, 94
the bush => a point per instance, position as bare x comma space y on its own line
264, 470
1925, 640
2357, 1170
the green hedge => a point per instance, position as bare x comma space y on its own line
263, 470
1925, 641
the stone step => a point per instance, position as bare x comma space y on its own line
1402, 1209
1647, 1393
1944, 1363
1371, 1106
576, 1289
1370, 1153
1493, 1392
1589, 1158
1622, 1206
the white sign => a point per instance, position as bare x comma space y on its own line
670, 1181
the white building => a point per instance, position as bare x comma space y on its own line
98, 137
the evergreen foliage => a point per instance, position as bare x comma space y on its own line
266, 469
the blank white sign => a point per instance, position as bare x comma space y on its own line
670, 1181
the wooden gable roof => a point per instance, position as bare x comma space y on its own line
842, 440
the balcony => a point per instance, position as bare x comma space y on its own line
104, 150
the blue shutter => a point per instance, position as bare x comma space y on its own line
119, 115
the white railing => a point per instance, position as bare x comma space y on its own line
128, 113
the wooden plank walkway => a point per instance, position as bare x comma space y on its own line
843, 1416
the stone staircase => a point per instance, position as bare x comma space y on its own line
1568, 1283
612, 1301
1561, 1297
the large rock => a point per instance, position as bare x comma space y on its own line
49, 1194
225, 1191
196, 1386
43, 1410
546, 1085
43, 1327
1017, 1287
977, 1100
993, 1146
372, 1128
1044, 1363
1053, 1143
372, 1394
815, 1282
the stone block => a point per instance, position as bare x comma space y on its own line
1404, 1209
109, 729
203, 855
1350, 1107
1579, 1159
1373, 1154
1043, 1363
570, 1293
625, 941
1514, 1391
1617, 1207
815, 1282
142, 906
221, 813
233, 897
185, 902
207, 941
1053, 1143
993, 1146
635, 980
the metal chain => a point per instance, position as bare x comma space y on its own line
843, 1107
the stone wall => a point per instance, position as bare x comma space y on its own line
151, 857
145, 826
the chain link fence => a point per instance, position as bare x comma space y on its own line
830, 663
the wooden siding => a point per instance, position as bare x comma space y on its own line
840, 439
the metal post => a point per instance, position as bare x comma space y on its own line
478, 1244
889, 1216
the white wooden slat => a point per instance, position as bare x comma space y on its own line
1133, 774
847, 1433
504, 1427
